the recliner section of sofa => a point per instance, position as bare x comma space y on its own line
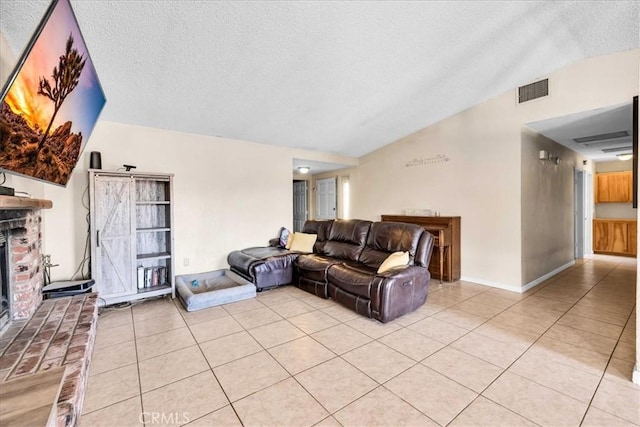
350, 264
344, 242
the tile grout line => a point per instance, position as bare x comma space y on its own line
210, 369
266, 350
337, 356
129, 364
604, 372
135, 345
532, 344
377, 340
518, 358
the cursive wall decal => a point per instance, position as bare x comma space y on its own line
440, 158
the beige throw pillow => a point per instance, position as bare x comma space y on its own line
289, 241
394, 260
303, 242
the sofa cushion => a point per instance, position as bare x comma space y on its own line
314, 266
321, 229
289, 242
347, 239
303, 242
352, 279
387, 237
284, 236
396, 259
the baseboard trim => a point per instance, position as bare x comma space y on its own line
636, 374
516, 288
512, 288
541, 279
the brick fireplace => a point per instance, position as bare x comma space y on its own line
38, 336
20, 263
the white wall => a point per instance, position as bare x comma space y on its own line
481, 181
228, 194
547, 206
477, 177
615, 210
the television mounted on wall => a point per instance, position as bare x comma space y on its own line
51, 102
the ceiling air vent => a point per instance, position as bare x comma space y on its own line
601, 137
532, 91
613, 150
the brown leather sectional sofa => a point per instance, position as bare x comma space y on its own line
344, 264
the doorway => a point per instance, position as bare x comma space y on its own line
583, 213
300, 204
326, 198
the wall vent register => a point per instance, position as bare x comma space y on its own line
533, 91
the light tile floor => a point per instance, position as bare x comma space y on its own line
560, 355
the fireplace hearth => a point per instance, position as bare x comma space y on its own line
38, 337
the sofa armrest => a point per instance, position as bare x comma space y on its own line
398, 291
275, 242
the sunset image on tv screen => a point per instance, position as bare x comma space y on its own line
52, 104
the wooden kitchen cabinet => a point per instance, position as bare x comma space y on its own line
615, 236
614, 187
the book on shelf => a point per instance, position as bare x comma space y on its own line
149, 277
162, 275
140, 277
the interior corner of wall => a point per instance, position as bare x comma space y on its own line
550, 274
493, 284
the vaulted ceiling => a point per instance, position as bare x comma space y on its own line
341, 77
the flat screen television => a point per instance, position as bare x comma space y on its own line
51, 102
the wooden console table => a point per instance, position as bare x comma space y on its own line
445, 261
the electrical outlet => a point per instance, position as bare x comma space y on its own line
185, 262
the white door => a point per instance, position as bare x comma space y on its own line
588, 213
326, 198
113, 268
300, 203
583, 212
579, 213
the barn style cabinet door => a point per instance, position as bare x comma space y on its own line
131, 235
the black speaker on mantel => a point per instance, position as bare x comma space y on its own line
96, 160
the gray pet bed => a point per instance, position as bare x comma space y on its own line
202, 290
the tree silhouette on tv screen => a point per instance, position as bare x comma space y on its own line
65, 77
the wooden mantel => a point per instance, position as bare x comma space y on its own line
12, 202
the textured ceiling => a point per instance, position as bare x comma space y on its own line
341, 77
